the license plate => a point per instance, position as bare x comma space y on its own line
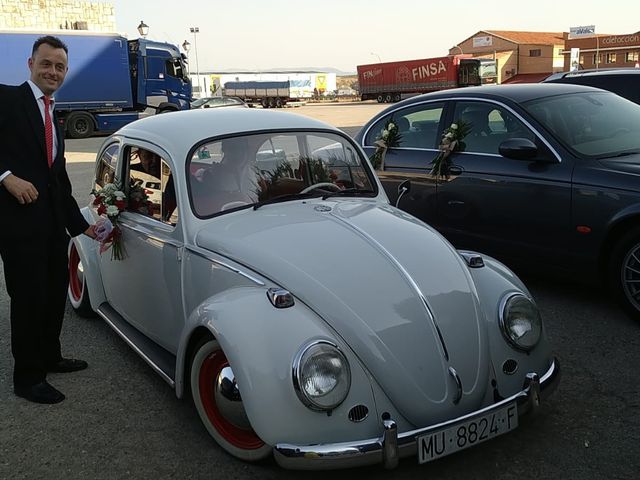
467, 433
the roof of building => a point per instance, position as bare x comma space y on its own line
535, 38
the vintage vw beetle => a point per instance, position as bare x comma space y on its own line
306, 315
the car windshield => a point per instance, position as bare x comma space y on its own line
594, 124
198, 102
236, 172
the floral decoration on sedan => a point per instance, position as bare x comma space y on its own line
390, 137
452, 141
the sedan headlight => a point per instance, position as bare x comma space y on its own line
321, 375
520, 321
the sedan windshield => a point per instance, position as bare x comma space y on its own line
597, 125
272, 167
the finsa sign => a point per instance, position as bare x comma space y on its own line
584, 31
369, 74
428, 70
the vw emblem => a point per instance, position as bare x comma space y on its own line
322, 208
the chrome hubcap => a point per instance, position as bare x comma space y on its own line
228, 399
631, 276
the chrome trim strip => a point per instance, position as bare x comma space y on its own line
379, 450
157, 369
404, 273
207, 255
473, 99
456, 378
149, 234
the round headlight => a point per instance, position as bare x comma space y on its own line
520, 321
321, 376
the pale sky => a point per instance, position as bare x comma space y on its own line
264, 34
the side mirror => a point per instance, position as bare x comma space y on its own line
403, 188
518, 149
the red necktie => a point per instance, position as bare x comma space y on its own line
48, 130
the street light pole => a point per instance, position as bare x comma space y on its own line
459, 48
375, 54
196, 30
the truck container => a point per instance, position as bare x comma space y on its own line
269, 94
393, 81
111, 81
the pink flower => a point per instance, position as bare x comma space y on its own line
102, 229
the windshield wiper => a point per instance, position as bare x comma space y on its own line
347, 191
284, 198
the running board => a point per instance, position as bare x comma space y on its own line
162, 361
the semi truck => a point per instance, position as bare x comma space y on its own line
269, 94
111, 81
393, 81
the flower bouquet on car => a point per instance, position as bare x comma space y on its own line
110, 202
389, 137
452, 141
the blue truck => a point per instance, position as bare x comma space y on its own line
111, 81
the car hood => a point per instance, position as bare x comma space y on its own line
397, 293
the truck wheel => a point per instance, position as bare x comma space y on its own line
80, 125
272, 103
278, 103
265, 103
388, 98
380, 99
624, 272
396, 97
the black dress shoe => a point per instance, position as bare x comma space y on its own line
39, 393
67, 365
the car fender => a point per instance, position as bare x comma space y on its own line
89, 256
494, 281
260, 343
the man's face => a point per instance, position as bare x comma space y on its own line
48, 67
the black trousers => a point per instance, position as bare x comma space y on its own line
37, 278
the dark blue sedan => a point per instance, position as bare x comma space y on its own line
548, 176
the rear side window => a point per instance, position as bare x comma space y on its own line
418, 126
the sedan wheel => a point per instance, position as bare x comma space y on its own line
624, 272
218, 402
78, 294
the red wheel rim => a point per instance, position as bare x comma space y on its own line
74, 281
211, 367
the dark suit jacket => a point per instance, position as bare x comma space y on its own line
23, 151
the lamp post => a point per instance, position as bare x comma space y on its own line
459, 48
376, 55
196, 30
143, 29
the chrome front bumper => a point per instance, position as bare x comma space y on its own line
391, 446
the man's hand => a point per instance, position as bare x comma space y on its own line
24, 191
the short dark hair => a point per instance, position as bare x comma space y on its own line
50, 40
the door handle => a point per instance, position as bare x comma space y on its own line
455, 170
455, 203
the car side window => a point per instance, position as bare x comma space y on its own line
105, 171
151, 186
489, 126
418, 126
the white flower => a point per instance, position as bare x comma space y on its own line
385, 133
448, 135
109, 188
112, 211
119, 195
391, 126
454, 126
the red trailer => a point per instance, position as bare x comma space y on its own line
392, 81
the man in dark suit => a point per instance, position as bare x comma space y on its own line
37, 210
